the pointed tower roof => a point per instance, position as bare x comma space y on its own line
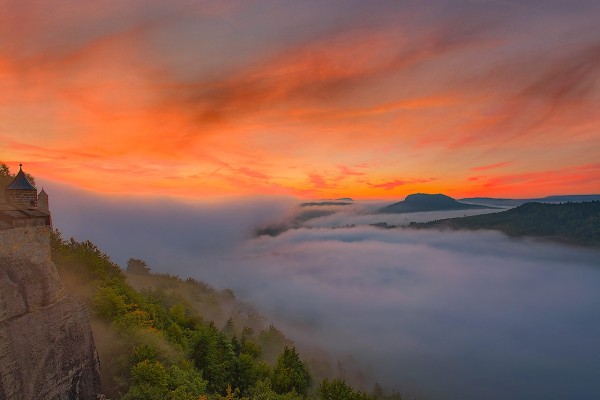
21, 182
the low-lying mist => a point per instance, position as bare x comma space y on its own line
365, 213
443, 315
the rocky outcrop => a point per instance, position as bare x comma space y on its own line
46, 345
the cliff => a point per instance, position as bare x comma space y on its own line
46, 345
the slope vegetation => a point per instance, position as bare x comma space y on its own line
160, 337
577, 223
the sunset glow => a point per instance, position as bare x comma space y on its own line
314, 99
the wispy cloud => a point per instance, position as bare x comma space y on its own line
491, 166
195, 88
585, 176
389, 185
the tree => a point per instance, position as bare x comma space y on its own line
263, 390
378, 392
150, 381
229, 328
136, 266
213, 355
290, 373
271, 341
338, 390
4, 170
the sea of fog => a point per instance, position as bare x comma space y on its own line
442, 315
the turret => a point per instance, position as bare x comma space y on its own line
21, 193
42, 202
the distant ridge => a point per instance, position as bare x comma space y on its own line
575, 223
428, 202
325, 203
500, 202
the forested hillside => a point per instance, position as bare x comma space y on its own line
161, 337
577, 223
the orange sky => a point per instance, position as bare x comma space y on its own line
317, 99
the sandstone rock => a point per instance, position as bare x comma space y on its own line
46, 345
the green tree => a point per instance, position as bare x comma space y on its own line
338, 390
178, 314
245, 373
229, 328
152, 381
262, 390
185, 383
213, 355
4, 170
149, 382
110, 303
290, 373
136, 266
272, 341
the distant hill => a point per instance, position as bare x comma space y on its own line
428, 202
494, 202
571, 198
577, 223
325, 203
499, 202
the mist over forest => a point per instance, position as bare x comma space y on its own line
435, 314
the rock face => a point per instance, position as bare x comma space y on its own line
46, 345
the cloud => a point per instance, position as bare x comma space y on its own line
185, 228
389, 185
541, 97
455, 314
491, 166
439, 314
319, 69
253, 173
572, 177
317, 181
348, 172
399, 182
183, 89
365, 213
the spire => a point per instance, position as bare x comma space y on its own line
42, 201
21, 182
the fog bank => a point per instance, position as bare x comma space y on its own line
446, 315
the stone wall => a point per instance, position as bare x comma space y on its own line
26, 244
46, 345
23, 198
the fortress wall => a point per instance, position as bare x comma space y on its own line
26, 198
27, 244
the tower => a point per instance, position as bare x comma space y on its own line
42, 202
21, 192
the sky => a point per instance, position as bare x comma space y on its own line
311, 99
